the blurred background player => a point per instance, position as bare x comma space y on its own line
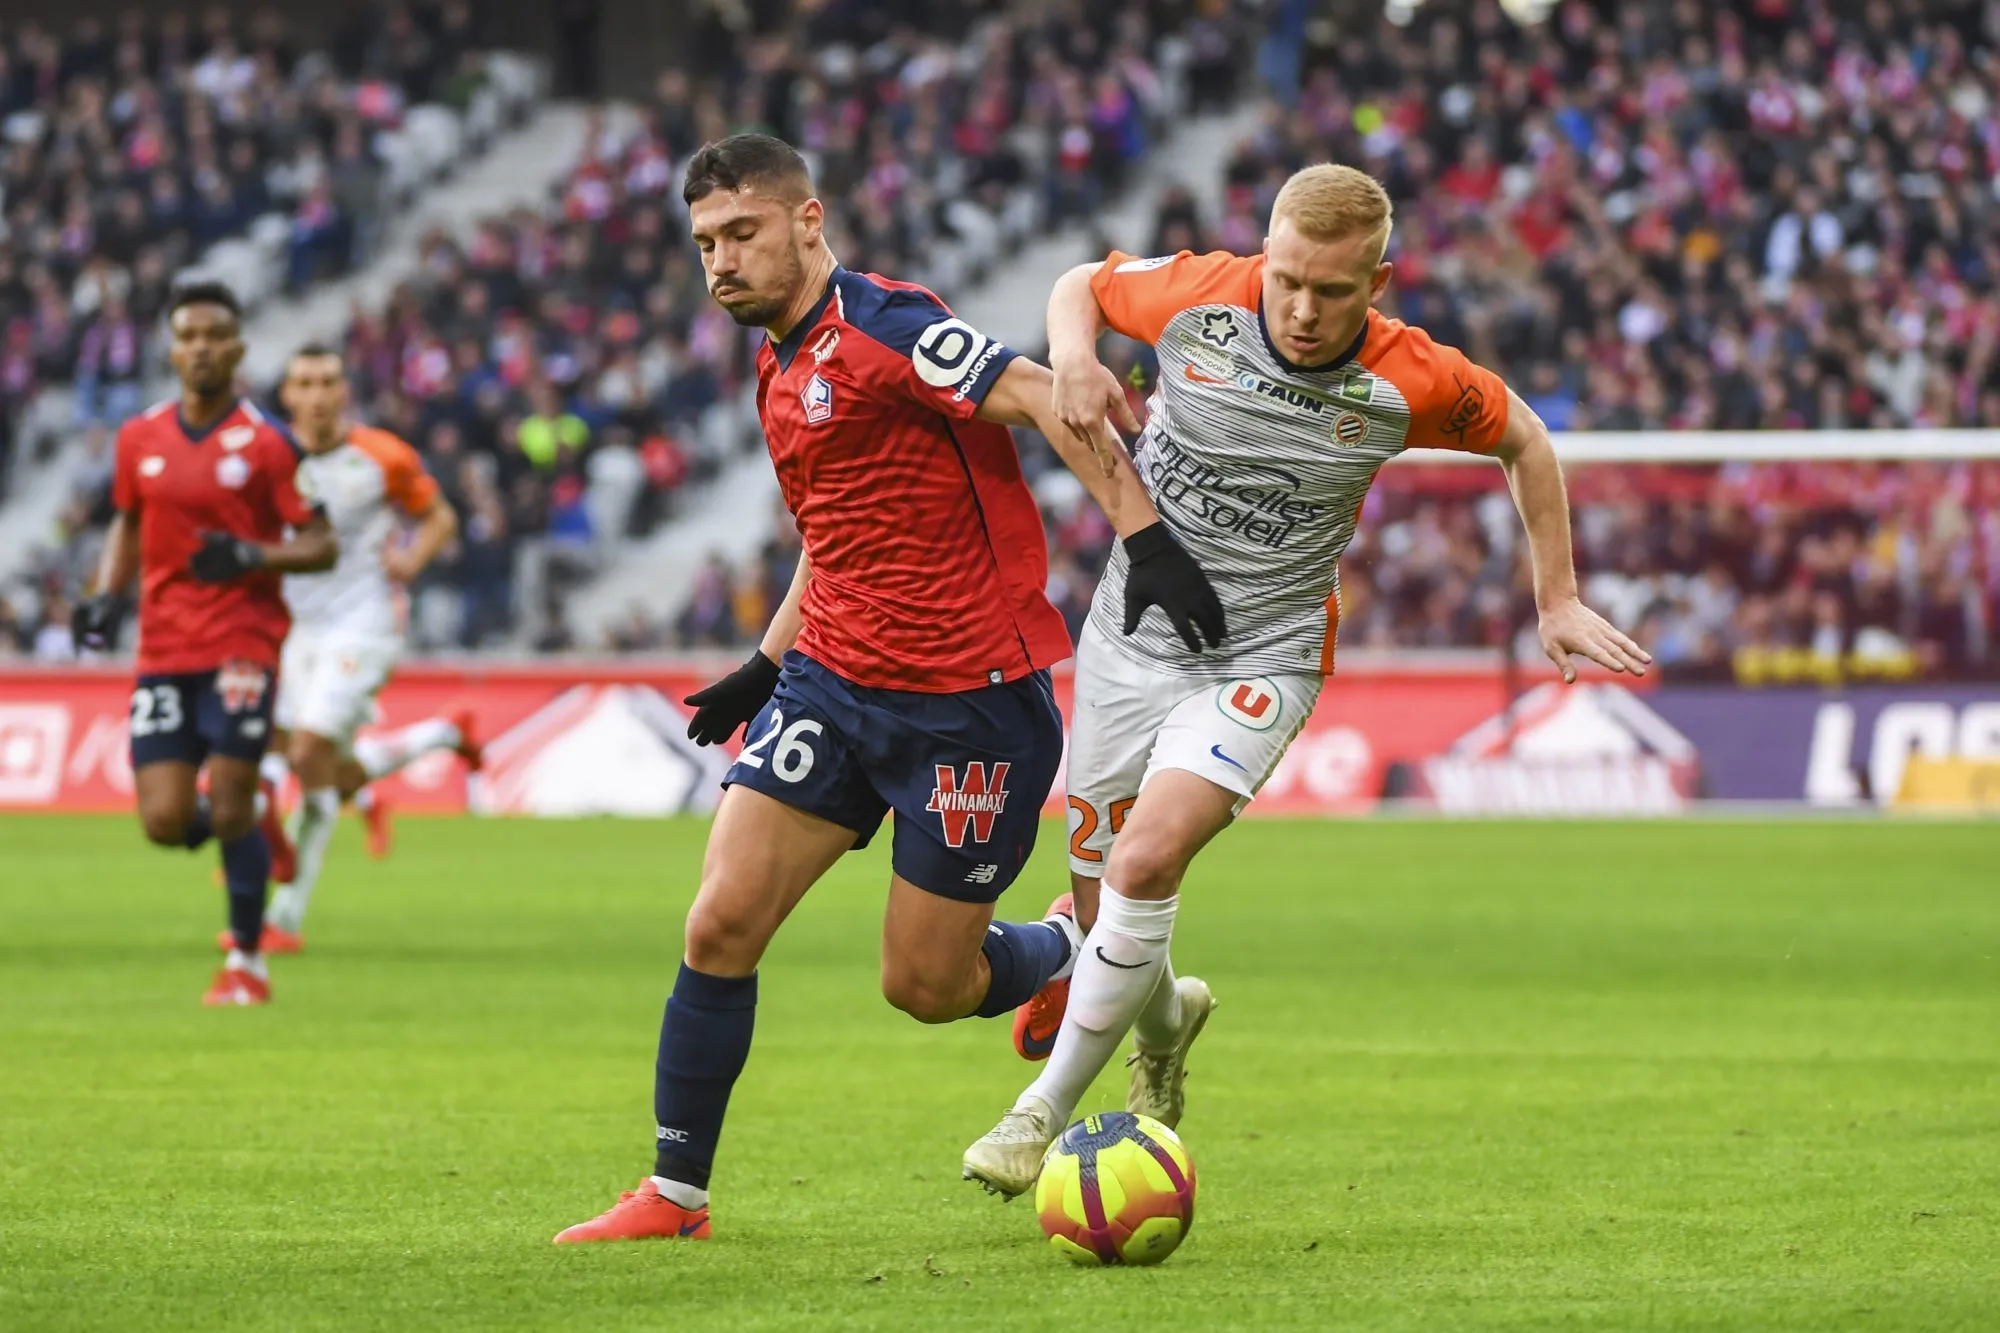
205, 488
348, 626
1279, 362
914, 642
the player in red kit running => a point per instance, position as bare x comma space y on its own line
907, 668
205, 487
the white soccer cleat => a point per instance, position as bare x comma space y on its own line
1009, 1158
1158, 1081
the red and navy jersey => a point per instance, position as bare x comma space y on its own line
929, 562
240, 476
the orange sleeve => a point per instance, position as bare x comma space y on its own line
406, 484
1139, 296
1454, 404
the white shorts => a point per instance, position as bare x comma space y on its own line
1132, 720
327, 682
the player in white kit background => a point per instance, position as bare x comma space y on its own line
348, 623
1281, 392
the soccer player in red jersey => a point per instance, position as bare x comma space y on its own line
205, 487
907, 668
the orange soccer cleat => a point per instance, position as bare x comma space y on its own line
641, 1214
1036, 1022
275, 939
468, 748
236, 985
375, 818
284, 857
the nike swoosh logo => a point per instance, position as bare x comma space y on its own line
1200, 378
1216, 750
1037, 1048
1122, 967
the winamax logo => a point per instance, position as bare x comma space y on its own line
971, 803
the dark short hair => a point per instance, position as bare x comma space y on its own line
204, 293
314, 349
745, 160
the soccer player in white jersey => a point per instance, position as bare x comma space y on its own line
347, 623
1281, 392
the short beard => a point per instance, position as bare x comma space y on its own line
763, 314
757, 314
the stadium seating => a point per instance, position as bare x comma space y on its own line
1709, 218
133, 155
1706, 218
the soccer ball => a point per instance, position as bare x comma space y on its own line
1116, 1188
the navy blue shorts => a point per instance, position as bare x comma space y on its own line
188, 716
965, 773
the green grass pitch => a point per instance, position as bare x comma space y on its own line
1464, 1076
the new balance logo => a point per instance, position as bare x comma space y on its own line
982, 874
970, 804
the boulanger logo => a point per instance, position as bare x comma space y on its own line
951, 354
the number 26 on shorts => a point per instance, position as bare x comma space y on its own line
792, 758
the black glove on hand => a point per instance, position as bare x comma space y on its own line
1163, 574
732, 701
94, 622
223, 557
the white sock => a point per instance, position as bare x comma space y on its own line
262, 805
274, 768
1121, 962
1158, 1026
675, 1191
364, 800
318, 811
379, 756
253, 963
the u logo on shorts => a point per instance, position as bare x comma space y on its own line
1254, 703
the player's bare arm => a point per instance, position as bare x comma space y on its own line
434, 531
731, 702
1568, 627
1084, 389
787, 620
1022, 396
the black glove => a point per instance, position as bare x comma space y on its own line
1163, 574
732, 701
94, 623
223, 557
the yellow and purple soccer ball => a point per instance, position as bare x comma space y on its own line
1116, 1188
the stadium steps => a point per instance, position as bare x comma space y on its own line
733, 514
520, 168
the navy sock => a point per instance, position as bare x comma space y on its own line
1023, 956
246, 869
199, 825
704, 1040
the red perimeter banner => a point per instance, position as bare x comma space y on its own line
610, 738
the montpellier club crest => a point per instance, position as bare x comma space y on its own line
971, 803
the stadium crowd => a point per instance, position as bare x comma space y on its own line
1653, 218
127, 150
562, 367
1663, 216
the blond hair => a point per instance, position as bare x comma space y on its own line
1330, 202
